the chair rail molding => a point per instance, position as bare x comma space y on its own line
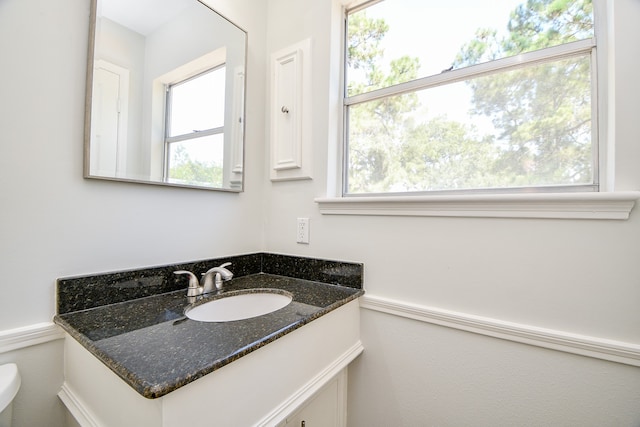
27, 336
596, 347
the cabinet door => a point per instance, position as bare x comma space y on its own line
323, 410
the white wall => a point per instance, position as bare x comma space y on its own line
573, 277
54, 223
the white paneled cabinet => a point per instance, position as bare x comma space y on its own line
260, 389
291, 112
326, 408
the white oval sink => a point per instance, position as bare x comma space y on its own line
239, 306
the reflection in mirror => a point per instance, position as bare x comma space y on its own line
165, 95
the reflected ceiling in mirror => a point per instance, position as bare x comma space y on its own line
165, 95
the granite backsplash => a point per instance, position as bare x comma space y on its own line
85, 292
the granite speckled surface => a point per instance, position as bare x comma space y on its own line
145, 338
81, 293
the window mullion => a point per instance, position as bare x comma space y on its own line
581, 47
195, 134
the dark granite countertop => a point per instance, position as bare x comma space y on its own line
156, 349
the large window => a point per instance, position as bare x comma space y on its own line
462, 95
194, 138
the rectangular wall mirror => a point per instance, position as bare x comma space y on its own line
165, 95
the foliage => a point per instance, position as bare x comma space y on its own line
541, 114
184, 170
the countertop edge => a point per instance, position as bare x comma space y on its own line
154, 391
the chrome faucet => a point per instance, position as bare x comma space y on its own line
210, 281
194, 288
213, 278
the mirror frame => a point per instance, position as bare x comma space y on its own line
88, 110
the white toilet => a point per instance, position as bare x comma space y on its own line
9, 385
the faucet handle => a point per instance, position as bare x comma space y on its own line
223, 275
194, 288
212, 279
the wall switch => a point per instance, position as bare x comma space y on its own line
303, 230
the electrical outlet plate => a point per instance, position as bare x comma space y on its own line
303, 230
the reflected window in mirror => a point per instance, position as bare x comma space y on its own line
140, 50
194, 139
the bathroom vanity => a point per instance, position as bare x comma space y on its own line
135, 359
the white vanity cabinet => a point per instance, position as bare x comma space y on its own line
327, 408
300, 377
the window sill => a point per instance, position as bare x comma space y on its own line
613, 205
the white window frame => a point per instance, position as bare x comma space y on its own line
168, 140
602, 204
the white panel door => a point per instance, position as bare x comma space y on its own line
108, 120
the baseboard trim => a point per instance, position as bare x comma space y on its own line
599, 348
15, 339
